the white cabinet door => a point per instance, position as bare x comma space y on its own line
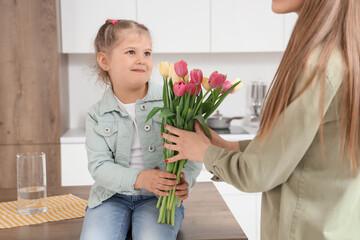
177, 26
245, 26
289, 23
74, 171
81, 19
246, 208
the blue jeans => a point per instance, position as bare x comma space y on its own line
114, 217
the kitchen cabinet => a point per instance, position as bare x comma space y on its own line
246, 208
181, 26
245, 26
81, 19
177, 26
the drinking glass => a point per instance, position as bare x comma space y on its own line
31, 182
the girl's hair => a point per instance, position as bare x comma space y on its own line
331, 23
110, 34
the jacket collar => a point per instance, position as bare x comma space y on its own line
108, 102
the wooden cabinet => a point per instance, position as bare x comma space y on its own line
245, 26
29, 86
177, 26
81, 19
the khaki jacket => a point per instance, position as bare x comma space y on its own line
304, 196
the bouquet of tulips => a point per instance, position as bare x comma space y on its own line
184, 102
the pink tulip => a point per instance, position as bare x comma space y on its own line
216, 80
226, 87
191, 87
180, 88
196, 76
181, 68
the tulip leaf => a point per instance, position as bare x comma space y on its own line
171, 88
216, 94
181, 105
203, 124
175, 102
165, 113
205, 107
152, 113
189, 115
179, 120
187, 102
222, 97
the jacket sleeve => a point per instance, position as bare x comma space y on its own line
101, 163
263, 166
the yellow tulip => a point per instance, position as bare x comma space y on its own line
238, 86
186, 78
164, 69
173, 75
205, 83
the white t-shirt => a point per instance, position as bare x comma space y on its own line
136, 155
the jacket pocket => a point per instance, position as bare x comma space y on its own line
109, 132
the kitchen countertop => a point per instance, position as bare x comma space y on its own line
236, 133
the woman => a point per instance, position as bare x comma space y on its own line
305, 157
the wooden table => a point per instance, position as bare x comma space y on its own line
207, 217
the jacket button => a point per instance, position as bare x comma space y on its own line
143, 107
151, 148
107, 130
147, 127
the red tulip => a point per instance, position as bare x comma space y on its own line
180, 88
191, 87
216, 80
196, 76
226, 86
181, 68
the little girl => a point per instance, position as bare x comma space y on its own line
125, 153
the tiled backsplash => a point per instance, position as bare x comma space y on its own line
83, 89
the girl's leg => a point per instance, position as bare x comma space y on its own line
110, 220
144, 221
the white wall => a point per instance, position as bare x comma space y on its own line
85, 91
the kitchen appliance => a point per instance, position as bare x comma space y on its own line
218, 121
257, 96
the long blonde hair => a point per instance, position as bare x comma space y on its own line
331, 23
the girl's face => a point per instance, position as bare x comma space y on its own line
287, 6
130, 63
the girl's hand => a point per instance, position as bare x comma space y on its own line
156, 181
190, 145
183, 188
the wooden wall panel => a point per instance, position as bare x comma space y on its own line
8, 163
29, 68
29, 86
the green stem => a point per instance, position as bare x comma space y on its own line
200, 102
173, 216
162, 211
159, 201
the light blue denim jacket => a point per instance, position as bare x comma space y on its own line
108, 144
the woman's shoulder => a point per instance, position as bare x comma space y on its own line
335, 65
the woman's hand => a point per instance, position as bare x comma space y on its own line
190, 145
156, 181
183, 188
